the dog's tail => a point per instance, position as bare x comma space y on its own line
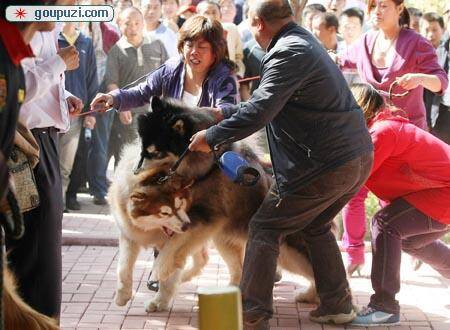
18, 315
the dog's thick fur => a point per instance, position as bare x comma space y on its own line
18, 315
199, 203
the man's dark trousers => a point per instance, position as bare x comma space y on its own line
35, 259
307, 212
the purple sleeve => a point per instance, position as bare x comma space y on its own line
227, 94
127, 99
427, 62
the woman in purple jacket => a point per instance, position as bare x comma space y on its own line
390, 53
202, 76
393, 52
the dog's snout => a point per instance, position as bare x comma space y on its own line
184, 227
184, 218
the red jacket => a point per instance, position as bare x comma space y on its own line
109, 35
412, 164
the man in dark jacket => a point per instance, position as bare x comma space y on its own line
321, 153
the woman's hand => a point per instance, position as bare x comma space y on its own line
102, 102
410, 81
198, 142
413, 80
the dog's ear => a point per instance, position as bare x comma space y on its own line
144, 124
157, 104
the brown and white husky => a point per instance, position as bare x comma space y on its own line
196, 205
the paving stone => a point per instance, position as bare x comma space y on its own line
89, 283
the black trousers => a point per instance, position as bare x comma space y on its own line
305, 213
35, 259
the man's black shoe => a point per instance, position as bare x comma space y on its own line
100, 200
72, 204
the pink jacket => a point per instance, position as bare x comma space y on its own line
414, 54
412, 164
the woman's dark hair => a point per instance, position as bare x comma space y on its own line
368, 98
404, 20
197, 27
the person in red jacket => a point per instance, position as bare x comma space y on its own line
411, 173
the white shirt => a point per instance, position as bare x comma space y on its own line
167, 37
191, 99
45, 101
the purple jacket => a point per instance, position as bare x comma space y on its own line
414, 54
219, 88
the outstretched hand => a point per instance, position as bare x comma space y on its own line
198, 142
102, 102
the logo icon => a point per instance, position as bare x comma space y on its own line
20, 13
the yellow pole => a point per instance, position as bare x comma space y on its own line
220, 308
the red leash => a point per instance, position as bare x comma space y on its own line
249, 79
90, 112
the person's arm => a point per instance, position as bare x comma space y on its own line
126, 99
428, 73
227, 94
281, 76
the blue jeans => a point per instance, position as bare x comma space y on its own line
97, 160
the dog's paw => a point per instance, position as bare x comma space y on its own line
307, 296
122, 297
156, 305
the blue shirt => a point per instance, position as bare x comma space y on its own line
83, 81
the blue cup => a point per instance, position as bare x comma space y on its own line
235, 167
